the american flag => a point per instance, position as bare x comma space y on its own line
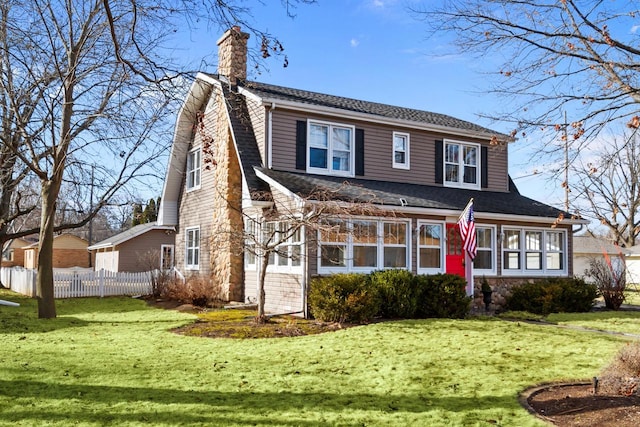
467, 226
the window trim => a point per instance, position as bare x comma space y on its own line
329, 169
192, 170
188, 266
443, 239
251, 227
522, 250
406, 164
349, 243
493, 230
460, 183
289, 267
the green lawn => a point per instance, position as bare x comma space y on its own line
113, 361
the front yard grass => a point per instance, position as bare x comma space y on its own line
114, 361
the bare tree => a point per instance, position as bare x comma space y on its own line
606, 187
85, 87
290, 227
548, 58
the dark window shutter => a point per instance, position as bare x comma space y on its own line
359, 152
484, 167
439, 161
301, 144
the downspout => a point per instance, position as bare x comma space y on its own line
270, 134
305, 273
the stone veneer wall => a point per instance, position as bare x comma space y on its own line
227, 262
501, 287
232, 55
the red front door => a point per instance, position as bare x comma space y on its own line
454, 260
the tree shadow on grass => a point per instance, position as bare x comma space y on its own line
121, 405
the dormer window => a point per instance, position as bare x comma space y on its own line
400, 150
193, 169
461, 164
331, 149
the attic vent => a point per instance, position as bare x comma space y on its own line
403, 202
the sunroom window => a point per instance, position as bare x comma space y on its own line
430, 244
529, 251
363, 245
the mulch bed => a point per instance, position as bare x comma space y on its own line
575, 404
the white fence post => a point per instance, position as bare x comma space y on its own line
101, 282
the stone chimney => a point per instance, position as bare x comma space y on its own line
232, 55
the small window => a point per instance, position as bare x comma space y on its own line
400, 150
192, 244
485, 243
193, 169
462, 164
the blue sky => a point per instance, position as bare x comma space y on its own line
376, 51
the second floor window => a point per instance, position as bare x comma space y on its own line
400, 150
462, 164
331, 149
193, 169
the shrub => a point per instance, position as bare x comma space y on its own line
610, 279
553, 296
442, 296
343, 298
622, 375
196, 290
397, 292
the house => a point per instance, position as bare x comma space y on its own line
68, 251
632, 263
144, 247
588, 248
13, 254
244, 149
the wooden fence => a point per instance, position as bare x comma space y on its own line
79, 283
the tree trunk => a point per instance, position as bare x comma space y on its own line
264, 262
44, 282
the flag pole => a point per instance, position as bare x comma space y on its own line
467, 232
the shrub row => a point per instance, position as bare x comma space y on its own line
553, 296
352, 297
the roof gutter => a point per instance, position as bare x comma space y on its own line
456, 213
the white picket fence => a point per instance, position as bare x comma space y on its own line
79, 283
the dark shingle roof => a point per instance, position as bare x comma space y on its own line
383, 110
418, 196
246, 144
281, 93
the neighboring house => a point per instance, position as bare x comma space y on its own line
68, 251
144, 247
633, 265
13, 255
242, 148
589, 248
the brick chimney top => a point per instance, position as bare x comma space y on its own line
232, 55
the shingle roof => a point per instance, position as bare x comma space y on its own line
245, 139
417, 196
129, 234
281, 93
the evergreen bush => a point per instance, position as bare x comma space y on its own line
397, 291
442, 296
553, 295
341, 298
